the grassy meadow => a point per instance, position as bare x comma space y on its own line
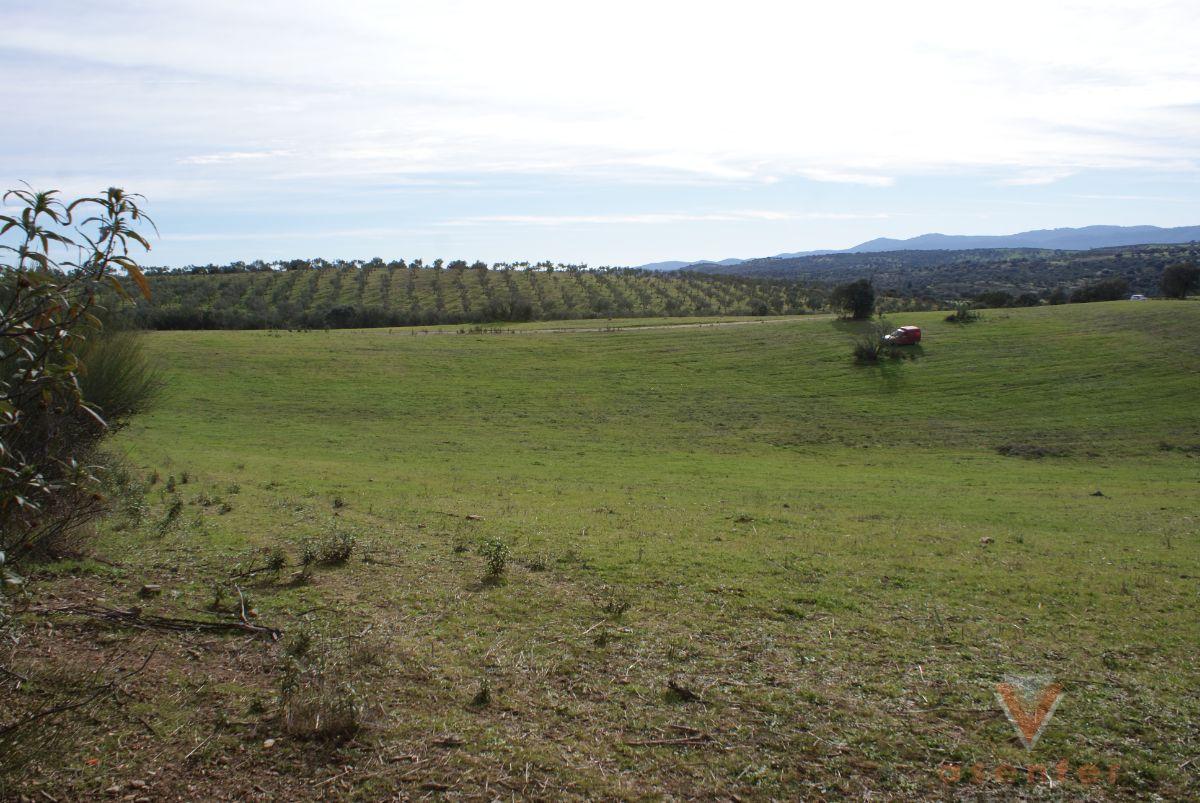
738, 564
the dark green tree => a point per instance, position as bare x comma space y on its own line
855, 300
1179, 280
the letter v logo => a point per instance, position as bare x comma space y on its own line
1029, 703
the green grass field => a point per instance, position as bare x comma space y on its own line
836, 561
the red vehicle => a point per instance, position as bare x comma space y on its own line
904, 336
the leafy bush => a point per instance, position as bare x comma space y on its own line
870, 347
338, 547
310, 553
170, 518
115, 376
49, 428
963, 313
496, 553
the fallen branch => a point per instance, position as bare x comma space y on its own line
703, 738
257, 570
107, 688
13, 674
135, 618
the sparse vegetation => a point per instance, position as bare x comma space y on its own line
315, 704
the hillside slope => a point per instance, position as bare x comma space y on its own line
728, 559
963, 274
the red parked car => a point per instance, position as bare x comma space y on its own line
904, 336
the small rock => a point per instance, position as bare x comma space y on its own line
268, 744
113, 790
137, 784
150, 590
474, 517
987, 539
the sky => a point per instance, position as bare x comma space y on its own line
613, 133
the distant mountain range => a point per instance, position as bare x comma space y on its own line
676, 264
1067, 239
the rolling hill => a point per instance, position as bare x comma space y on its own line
733, 560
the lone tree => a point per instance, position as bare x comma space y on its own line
855, 300
1179, 280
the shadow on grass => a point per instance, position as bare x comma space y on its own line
891, 370
488, 581
848, 326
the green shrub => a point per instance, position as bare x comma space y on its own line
310, 553
299, 644
49, 427
496, 553
170, 518
870, 347
963, 313
116, 377
338, 547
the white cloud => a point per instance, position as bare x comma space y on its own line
856, 92
660, 218
232, 156
1033, 178
540, 126
842, 177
